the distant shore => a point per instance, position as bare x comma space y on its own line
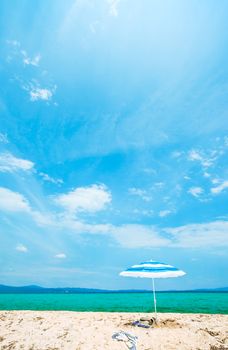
45, 290
64, 330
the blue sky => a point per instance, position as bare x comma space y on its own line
113, 141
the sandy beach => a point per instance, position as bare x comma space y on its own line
52, 330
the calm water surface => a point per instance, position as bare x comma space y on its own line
122, 302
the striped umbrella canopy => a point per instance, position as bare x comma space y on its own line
153, 269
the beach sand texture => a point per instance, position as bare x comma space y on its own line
52, 330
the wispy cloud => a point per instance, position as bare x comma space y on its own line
218, 189
159, 184
113, 7
60, 256
140, 193
13, 201
186, 177
33, 61
130, 236
206, 161
34, 88
48, 178
195, 155
87, 199
22, 54
215, 181
44, 219
196, 191
37, 93
207, 235
3, 138
10, 163
14, 43
138, 236
81, 227
164, 213
144, 212
176, 154
206, 174
21, 248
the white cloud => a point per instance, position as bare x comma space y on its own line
18, 51
148, 212
164, 213
176, 154
132, 236
206, 174
138, 236
128, 236
196, 191
3, 138
30, 61
186, 177
215, 181
14, 43
70, 223
159, 184
13, 201
220, 188
22, 248
22, 53
136, 191
149, 171
87, 199
113, 7
37, 93
139, 192
9, 163
48, 178
195, 155
60, 256
212, 234
144, 212
43, 219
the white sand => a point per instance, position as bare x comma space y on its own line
52, 330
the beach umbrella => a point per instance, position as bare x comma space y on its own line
152, 269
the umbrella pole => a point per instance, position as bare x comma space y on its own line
155, 306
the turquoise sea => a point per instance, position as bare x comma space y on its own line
120, 302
